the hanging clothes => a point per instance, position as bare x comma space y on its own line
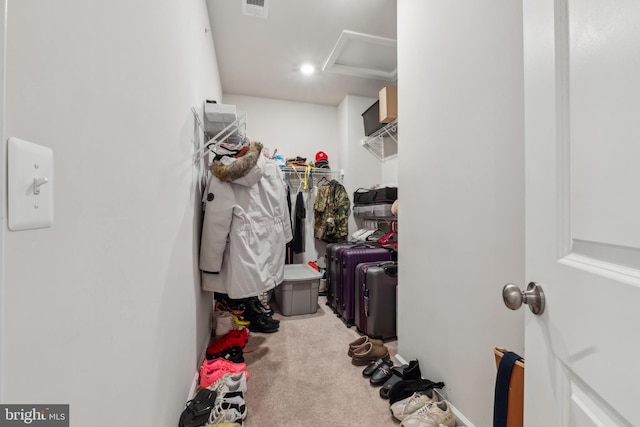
245, 227
298, 234
331, 213
288, 258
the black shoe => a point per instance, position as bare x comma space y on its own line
382, 374
256, 310
229, 304
263, 324
232, 354
373, 366
405, 388
198, 410
395, 378
258, 306
412, 372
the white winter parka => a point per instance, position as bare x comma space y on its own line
246, 226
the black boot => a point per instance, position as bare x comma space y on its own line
256, 309
258, 305
263, 323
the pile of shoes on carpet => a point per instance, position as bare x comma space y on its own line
219, 399
412, 399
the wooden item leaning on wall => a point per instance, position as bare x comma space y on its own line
515, 411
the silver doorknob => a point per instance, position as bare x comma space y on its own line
513, 297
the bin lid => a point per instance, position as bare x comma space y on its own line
300, 272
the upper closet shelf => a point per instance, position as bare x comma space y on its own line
383, 143
217, 117
219, 122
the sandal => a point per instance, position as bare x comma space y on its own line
396, 377
198, 409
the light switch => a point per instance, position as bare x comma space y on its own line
30, 185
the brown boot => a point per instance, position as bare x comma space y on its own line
360, 342
368, 353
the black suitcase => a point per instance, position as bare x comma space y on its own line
376, 299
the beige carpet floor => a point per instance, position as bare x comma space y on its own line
301, 376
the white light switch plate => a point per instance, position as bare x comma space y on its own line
30, 185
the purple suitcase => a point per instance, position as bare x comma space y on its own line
375, 299
332, 271
346, 283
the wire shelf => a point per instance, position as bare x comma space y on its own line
383, 143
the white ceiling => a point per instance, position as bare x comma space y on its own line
260, 57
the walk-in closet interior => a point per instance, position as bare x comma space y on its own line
259, 213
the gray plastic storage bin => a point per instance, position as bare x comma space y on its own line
298, 293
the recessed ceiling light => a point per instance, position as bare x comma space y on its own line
307, 69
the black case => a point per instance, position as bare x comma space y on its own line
376, 299
363, 196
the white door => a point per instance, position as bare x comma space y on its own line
582, 133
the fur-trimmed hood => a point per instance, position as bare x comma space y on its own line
246, 170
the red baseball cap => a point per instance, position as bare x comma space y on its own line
321, 155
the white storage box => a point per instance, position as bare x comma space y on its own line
218, 116
298, 293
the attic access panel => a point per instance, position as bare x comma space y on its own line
364, 55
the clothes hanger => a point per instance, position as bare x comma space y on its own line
324, 178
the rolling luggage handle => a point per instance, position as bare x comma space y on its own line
366, 302
390, 269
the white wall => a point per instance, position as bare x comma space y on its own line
461, 185
390, 171
362, 169
295, 129
104, 309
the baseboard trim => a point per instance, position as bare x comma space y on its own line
462, 421
196, 377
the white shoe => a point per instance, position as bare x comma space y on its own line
405, 407
227, 413
230, 383
434, 414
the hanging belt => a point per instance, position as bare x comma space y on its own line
501, 399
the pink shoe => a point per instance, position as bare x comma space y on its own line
212, 370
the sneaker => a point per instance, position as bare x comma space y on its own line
264, 300
411, 404
212, 370
230, 383
227, 413
434, 414
235, 337
232, 354
240, 322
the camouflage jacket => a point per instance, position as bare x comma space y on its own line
331, 213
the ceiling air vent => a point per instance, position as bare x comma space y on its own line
257, 8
